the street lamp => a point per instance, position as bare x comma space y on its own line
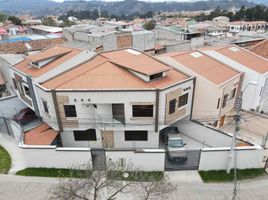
233, 151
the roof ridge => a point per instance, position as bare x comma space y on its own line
83, 72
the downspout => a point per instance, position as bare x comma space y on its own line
193, 94
156, 110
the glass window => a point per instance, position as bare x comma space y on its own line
183, 100
136, 135
172, 106
70, 110
45, 106
87, 135
142, 110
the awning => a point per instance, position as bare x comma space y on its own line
40, 135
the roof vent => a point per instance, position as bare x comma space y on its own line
234, 49
133, 52
196, 54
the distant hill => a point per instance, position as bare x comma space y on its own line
45, 7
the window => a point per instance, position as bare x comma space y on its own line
183, 100
136, 135
172, 106
87, 135
45, 106
26, 90
14, 84
70, 110
233, 93
142, 110
119, 112
218, 104
155, 76
224, 102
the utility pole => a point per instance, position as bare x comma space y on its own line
233, 152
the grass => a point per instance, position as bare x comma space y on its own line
65, 173
51, 172
5, 161
222, 176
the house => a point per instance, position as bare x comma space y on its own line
255, 70
260, 48
216, 85
238, 26
45, 30
117, 99
31, 70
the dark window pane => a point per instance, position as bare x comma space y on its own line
142, 110
183, 100
136, 135
14, 84
155, 76
172, 105
218, 104
45, 106
118, 112
70, 110
224, 102
87, 135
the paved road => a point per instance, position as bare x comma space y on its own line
28, 188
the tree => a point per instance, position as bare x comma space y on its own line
49, 21
15, 20
149, 25
109, 182
3, 17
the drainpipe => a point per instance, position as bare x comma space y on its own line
156, 110
193, 94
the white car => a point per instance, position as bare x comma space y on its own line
174, 144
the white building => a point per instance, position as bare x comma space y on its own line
255, 70
216, 85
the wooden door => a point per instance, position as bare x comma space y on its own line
107, 139
222, 121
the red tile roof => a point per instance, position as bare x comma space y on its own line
261, 49
41, 135
102, 72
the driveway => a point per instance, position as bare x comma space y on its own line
28, 188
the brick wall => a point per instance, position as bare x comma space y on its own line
124, 40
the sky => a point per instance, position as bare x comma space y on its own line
143, 0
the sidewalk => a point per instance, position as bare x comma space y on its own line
17, 154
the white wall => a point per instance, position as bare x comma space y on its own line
217, 159
143, 40
210, 137
144, 161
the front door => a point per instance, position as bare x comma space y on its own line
107, 139
222, 121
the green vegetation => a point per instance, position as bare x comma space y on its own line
15, 20
149, 25
248, 14
5, 161
139, 176
51, 172
222, 176
65, 173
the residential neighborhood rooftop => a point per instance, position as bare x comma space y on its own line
111, 71
261, 49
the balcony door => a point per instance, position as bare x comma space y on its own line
119, 112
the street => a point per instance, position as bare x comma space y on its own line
27, 188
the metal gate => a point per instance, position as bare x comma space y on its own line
98, 159
192, 162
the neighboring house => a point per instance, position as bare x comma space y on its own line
45, 30
238, 26
260, 49
28, 46
117, 99
216, 85
255, 69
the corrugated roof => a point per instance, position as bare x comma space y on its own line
205, 66
136, 61
244, 57
26, 67
103, 73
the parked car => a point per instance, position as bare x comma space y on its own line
175, 145
25, 116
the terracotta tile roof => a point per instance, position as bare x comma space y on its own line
245, 58
205, 66
41, 135
26, 67
136, 61
101, 73
261, 49
36, 45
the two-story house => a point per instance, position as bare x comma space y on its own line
216, 85
254, 69
117, 99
